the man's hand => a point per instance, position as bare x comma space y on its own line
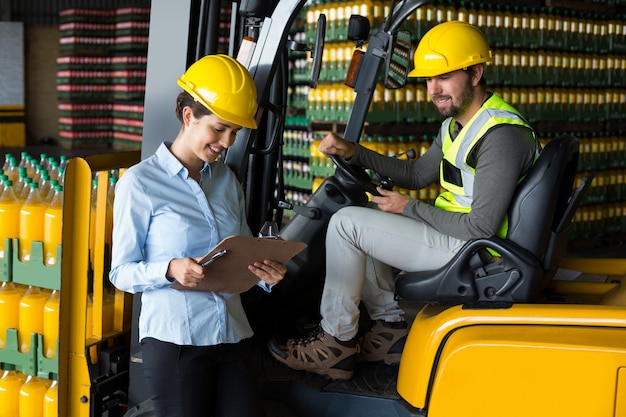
334, 145
390, 201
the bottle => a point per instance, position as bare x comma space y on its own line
63, 160
18, 185
51, 325
9, 217
52, 226
31, 396
43, 160
9, 310
38, 172
25, 190
53, 170
45, 187
111, 193
10, 384
13, 170
51, 401
31, 222
24, 157
7, 161
30, 317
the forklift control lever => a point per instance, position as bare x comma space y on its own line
312, 213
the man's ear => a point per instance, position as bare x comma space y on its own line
477, 74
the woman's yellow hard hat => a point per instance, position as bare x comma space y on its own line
224, 86
448, 47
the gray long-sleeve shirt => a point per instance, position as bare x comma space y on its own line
500, 159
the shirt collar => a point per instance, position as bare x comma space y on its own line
171, 164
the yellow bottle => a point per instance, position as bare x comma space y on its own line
51, 325
30, 317
9, 217
52, 226
31, 222
10, 384
31, 396
9, 310
51, 401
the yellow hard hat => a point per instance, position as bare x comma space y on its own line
224, 86
450, 46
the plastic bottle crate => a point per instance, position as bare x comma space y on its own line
37, 274
12, 358
33, 272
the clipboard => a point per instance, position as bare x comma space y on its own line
229, 273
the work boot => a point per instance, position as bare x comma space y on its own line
384, 342
319, 353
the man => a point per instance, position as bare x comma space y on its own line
483, 148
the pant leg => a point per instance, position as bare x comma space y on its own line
180, 379
238, 390
200, 381
378, 293
353, 235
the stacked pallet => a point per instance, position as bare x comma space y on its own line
101, 76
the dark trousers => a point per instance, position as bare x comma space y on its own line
200, 381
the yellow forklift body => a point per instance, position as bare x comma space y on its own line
529, 370
543, 359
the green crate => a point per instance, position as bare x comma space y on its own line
35, 272
12, 358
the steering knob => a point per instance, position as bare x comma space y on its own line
386, 183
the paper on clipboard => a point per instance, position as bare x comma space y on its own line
230, 272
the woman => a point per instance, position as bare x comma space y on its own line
169, 210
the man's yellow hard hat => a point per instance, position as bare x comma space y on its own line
224, 86
450, 46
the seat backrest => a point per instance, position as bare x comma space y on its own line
542, 198
539, 222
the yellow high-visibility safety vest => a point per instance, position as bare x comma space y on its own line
455, 174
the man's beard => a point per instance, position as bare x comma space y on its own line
466, 97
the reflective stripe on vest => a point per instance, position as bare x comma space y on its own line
458, 196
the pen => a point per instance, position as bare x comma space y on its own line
215, 257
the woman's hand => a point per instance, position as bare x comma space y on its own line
189, 272
186, 271
271, 272
334, 145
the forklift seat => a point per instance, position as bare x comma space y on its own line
539, 216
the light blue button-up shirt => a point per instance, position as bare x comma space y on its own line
161, 214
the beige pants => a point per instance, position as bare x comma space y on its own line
363, 246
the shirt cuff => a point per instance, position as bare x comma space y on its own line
266, 287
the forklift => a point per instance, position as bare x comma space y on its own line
505, 339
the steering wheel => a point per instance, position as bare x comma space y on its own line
354, 174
